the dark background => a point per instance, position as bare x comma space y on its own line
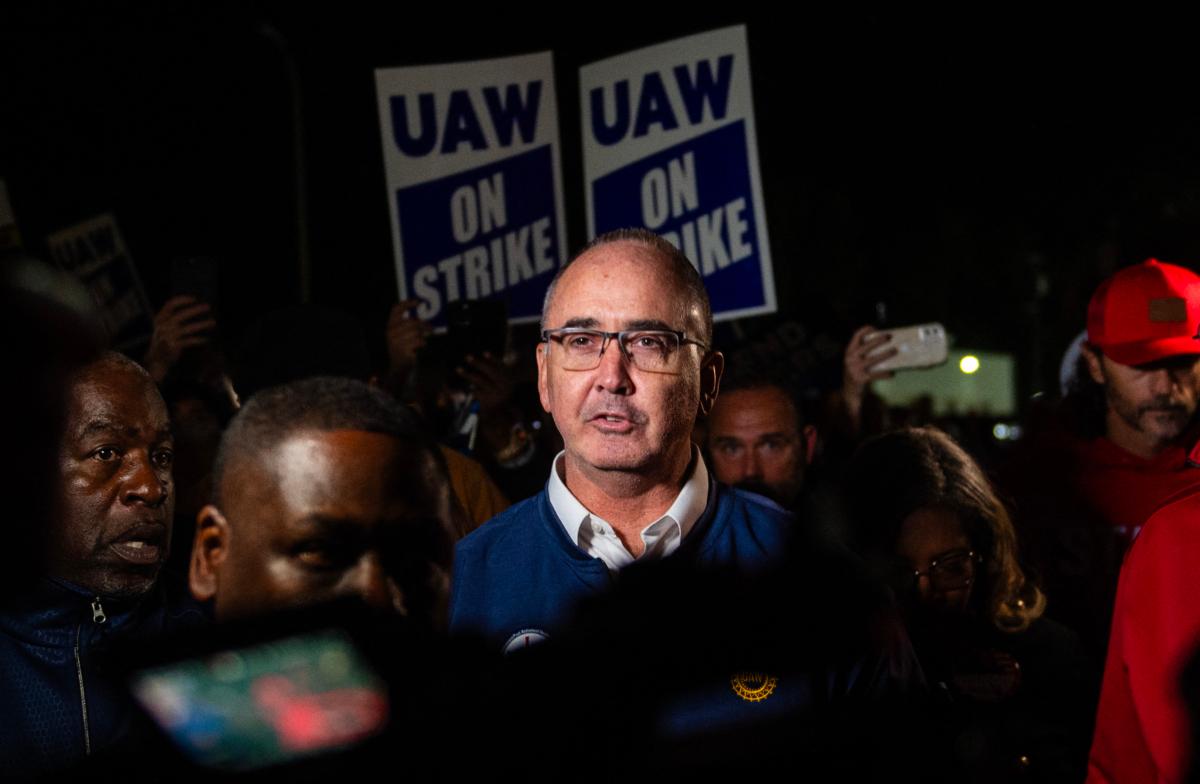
985, 171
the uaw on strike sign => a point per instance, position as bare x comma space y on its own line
669, 144
471, 153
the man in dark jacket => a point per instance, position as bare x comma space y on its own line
110, 537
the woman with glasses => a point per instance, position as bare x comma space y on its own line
1013, 697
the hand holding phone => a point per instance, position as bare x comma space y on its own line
406, 335
918, 346
873, 355
866, 348
473, 328
182, 323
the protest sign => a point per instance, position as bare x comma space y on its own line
471, 155
669, 144
95, 253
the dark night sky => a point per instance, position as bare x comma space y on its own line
942, 165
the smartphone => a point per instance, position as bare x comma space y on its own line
918, 346
195, 276
264, 704
473, 327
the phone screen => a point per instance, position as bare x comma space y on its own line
268, 703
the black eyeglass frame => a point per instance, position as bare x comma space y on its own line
560, 334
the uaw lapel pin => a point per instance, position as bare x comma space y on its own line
753, 686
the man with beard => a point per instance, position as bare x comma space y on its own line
1082, 492
1142, 363
757, 438
1150, 383
1143, 354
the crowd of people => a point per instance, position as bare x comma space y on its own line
624, 553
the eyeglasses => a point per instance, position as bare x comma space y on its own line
949, 572
655, 350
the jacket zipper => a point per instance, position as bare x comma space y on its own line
87, 737
98, 617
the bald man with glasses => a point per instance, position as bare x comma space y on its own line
669, 631
625, 367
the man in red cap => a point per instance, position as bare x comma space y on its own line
1143, 348
1143, 357
1142, 729
1083, 492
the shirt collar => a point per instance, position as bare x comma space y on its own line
686, 510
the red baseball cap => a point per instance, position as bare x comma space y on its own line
1146, 312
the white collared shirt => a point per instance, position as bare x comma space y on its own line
596, 536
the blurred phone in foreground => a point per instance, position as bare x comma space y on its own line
918, 346
267, 703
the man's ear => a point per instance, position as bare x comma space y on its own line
543, 390
808, 435
209, 551
711, 370
1095, 364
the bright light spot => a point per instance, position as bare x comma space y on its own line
1006, 432
968, 364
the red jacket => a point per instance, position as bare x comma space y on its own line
1142, 732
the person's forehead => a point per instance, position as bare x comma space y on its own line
118, 397
748, 411
321, 451
930, 529
349, 472
623, 282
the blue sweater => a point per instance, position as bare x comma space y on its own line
520, 572
687, 652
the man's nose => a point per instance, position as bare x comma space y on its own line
751, 465
1163, 381
370, 582
145, 483
613, 372
924, 588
